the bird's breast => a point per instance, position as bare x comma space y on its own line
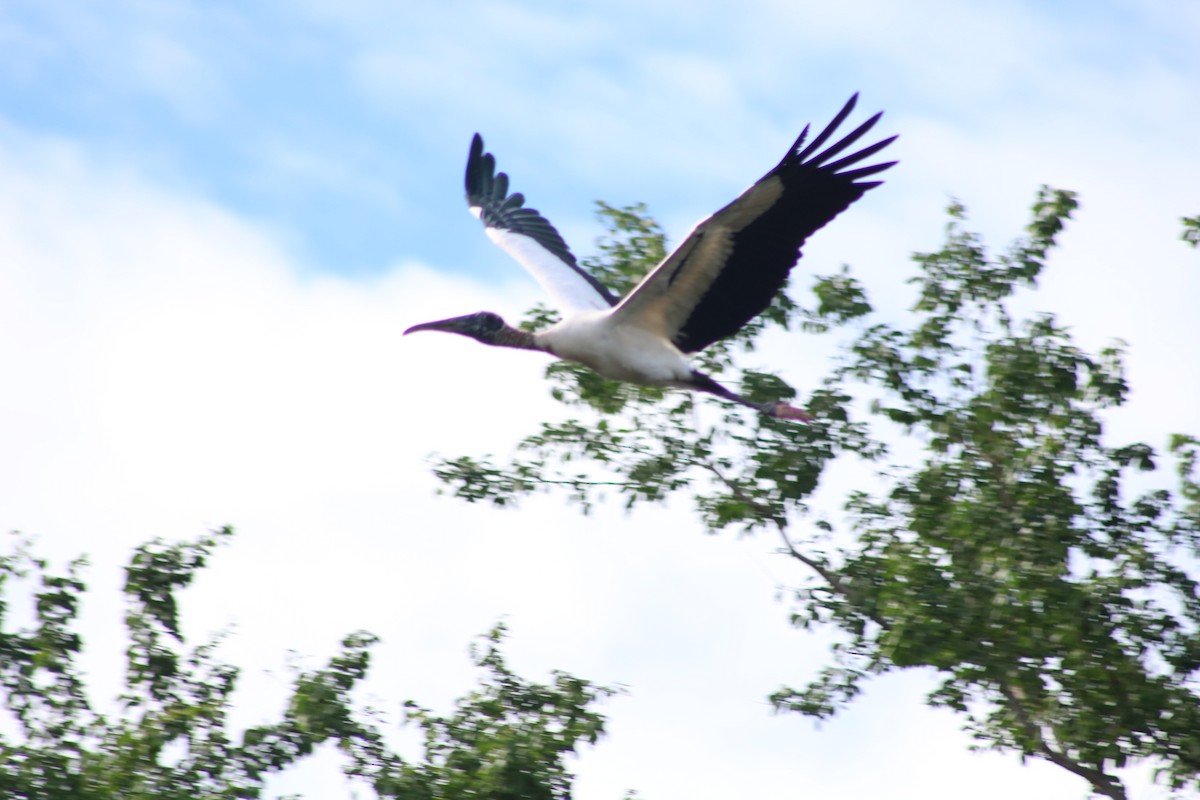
620, 352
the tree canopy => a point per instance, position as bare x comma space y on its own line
508, 738
1046, 573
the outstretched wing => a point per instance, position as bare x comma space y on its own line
529, 237
729, 268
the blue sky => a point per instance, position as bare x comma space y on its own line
217, 218
343, 125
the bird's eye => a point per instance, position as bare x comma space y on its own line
489, 321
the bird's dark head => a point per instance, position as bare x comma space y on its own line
483, 326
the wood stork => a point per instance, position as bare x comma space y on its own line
724, 273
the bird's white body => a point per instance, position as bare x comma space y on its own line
627, 353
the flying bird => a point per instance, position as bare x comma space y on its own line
724, 274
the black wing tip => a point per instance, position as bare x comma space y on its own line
814, 158
863, 172
481, 173
850, 105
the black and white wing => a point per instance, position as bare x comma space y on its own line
729, 268
529, 237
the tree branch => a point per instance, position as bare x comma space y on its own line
828, 575
1102, 782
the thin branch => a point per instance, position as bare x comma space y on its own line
569, 482
828, 575
736, 490
1102, 782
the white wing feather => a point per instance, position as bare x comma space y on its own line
529, 237
568, 289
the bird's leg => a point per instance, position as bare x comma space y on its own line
703, 383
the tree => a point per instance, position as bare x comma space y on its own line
1015, 555
506, 739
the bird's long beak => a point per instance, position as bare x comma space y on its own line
452, 325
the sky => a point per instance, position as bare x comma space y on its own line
216, 219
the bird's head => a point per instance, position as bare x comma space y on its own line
483, 326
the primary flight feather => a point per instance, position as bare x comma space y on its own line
724, 274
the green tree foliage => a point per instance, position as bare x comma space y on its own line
1191, 230
506, 739
1029, 561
